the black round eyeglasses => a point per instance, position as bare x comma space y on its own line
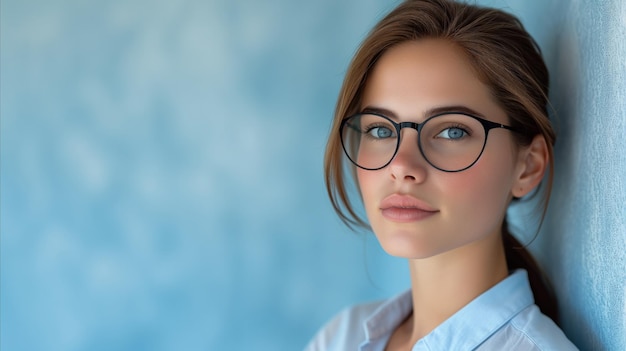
450, 141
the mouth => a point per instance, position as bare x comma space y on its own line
404, 209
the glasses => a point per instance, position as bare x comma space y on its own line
450, 142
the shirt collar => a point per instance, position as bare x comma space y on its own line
467, 328
482, 317
388, 316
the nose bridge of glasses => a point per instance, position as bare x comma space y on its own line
408, 143
408, 151
409, 125
412, 125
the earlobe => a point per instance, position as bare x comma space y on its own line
533, 162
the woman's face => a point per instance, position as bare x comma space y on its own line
415, 210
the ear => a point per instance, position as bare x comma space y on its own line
532, 163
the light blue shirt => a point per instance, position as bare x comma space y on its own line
504, 317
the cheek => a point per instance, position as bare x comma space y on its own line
363, 181
483, 191
367, 182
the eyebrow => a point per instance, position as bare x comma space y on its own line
428, 113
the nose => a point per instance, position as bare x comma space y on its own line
409, 164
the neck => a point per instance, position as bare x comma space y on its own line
445, 283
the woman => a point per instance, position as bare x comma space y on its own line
442, 119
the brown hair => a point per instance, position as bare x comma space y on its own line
506, 59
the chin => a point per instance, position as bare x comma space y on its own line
416, 254
408, 246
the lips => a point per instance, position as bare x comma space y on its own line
405, 208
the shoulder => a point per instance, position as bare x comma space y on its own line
345, 331
541, 330
529, 330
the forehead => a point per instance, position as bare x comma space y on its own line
417, 76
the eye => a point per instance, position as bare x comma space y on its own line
453, 133
379, 132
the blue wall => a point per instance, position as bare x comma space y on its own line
161, 173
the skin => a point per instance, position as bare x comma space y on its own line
455, 250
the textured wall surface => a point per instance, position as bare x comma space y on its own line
161, 172
582, 244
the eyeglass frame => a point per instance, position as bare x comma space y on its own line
487, 125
